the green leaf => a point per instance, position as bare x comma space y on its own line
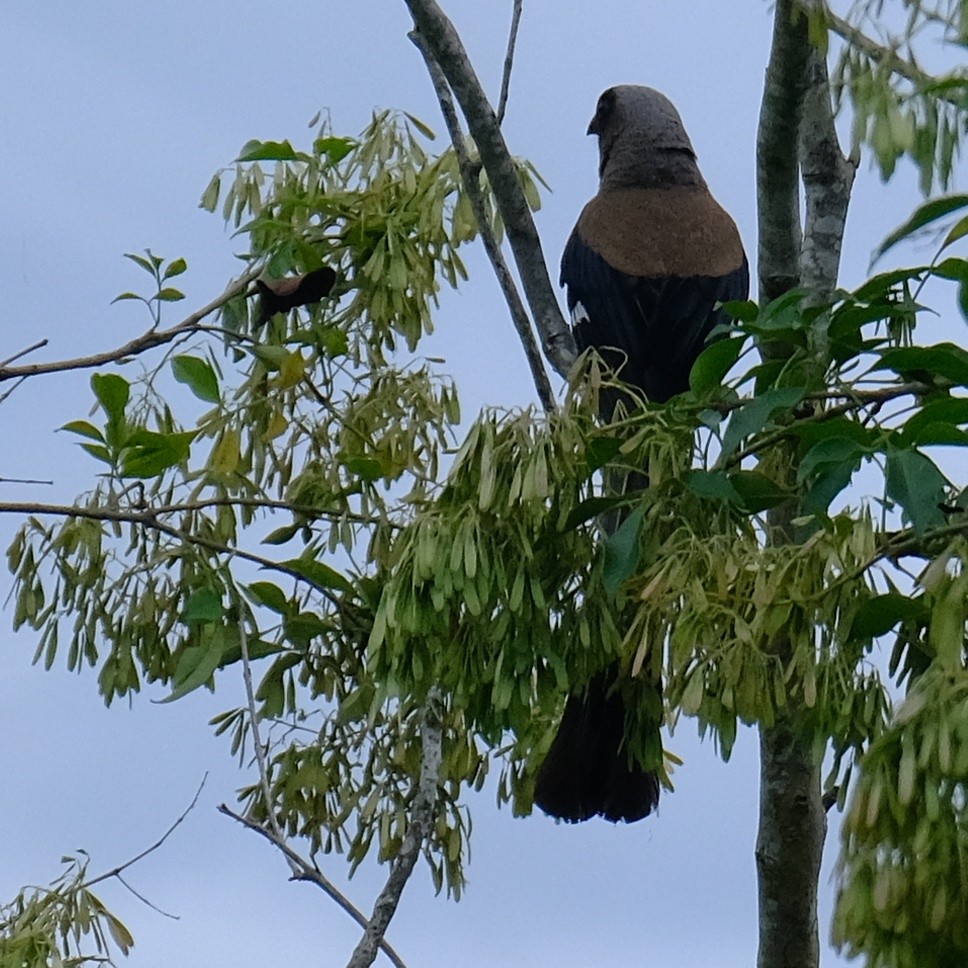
270, 595
880, 614
281, 535
205, 605
198, 375
209, 199
592, 508
269, 151
756, 491
833, 450
318, 573
175, 268
366, 468
148, 453
112, 392
745, 310
924, 362
101, 453
714, 485
146, 264
929, 212
622, 552
827, 484
600, 451
753, 416
169, 294
126, 295
426, 131
916, 484
198, 664
713, 363
952, 411
335, 149
83, 428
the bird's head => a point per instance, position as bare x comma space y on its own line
641, 138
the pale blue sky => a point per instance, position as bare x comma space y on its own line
113, 117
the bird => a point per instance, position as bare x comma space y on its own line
281, 295
646, 269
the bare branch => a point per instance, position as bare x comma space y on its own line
888, 57
443, 42
121, 868
519, 315
148, 340
22, 480
40, 344
502, 102
312, 874
421, 820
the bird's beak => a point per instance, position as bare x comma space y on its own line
593, 125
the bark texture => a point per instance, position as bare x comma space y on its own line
444, 44
796, 133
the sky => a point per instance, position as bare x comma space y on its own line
114, 116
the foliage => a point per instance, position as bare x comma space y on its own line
45, 927
401, 557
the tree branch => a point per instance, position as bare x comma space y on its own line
148, 340
116, 872
777, 187
469, 179
313, 875
149, 519
827, 180
443, 42
421, 820
502, 102
888, 57
792, 823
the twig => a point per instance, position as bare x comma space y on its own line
260, 750
519, 315
3, 396
149, 519
115, 872
140, 344
509, 61
40, 344
444, 43
145, 901
22, 480
890, 58
309, 872
421, 819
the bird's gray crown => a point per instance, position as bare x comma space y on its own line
642, 140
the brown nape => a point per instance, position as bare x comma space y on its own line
653, 232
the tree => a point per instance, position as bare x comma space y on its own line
322, 427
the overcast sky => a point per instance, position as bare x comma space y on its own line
113, 117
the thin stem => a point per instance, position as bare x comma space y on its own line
448, 51
502, 102
469, 178
421, 819
148, 340
310, 873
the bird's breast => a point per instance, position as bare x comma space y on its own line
654, 232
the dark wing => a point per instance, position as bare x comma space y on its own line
658, 326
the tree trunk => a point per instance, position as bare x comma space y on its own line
796, 131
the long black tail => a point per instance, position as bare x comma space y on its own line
587, 772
